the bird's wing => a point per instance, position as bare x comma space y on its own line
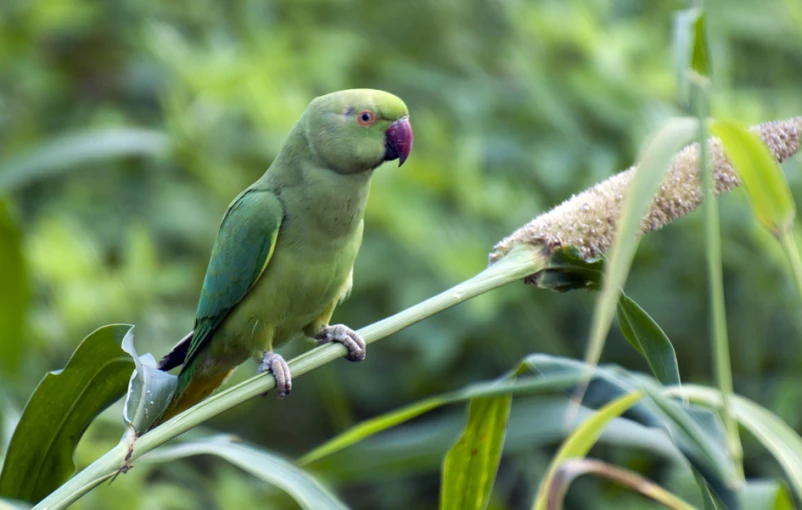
241, 253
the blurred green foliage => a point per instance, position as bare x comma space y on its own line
515, 105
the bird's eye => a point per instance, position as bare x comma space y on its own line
366, 117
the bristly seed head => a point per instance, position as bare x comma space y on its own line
589, 219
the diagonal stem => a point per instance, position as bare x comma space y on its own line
518, 264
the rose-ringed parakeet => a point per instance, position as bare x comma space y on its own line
286, 247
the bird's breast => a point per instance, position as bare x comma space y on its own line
317, 244
301, 280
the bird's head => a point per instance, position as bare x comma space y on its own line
353, 131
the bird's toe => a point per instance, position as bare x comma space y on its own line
352, 340
275, 364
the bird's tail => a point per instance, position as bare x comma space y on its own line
191, 389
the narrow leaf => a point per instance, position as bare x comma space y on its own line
778, 438
271, 468
701, 436
700, 60
649, 339
654, 164
582, 440
361, 431
762, 176
704, 449
535, 422
39, 458
720, 345
470, 466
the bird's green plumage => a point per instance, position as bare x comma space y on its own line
244, 245
287, 245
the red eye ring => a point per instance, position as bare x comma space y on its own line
366, 117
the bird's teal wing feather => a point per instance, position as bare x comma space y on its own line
241, 253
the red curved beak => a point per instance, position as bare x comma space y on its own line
398, 141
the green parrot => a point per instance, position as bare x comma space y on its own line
284, 255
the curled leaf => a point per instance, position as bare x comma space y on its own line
149, 389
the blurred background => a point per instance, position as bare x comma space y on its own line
127, 127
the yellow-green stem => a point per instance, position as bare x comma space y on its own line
718, 324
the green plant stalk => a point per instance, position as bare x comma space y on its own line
789, 244
718, 324
518, 264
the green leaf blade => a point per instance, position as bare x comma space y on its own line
649, 339
700, 58
582, 440
370, 427
470, 466
766, 495
302, 486
695, 431
360, 431
39, 458
762, 176
775, 435
650, 172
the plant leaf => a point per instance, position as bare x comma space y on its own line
470, 466
535, 422
571, 469
271, 468
654, 163
581, 440
762, 176
700, 59
15, 293
520, 386
649, 339
149, 389
568, 270
766, 495
704, 449
778, 438
701, 436
39, 457
76, 149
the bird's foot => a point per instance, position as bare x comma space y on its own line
274, 363
346, 336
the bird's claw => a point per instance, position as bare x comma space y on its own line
346, 336
274, 363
